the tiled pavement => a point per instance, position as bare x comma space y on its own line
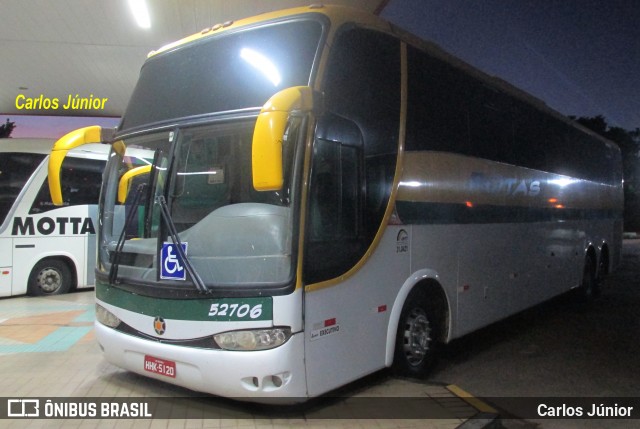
47, 350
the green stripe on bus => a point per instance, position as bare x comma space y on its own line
205, 309
422, 213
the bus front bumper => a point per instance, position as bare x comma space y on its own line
255, 376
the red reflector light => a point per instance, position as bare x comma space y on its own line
329, 322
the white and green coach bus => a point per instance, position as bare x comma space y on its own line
44, 249
329, 196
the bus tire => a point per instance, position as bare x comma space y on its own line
589, 288
49, 277
416, 339
603, 265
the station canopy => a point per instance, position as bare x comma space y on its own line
57, 49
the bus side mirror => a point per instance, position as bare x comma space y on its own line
74, 139
125, 181
266, 152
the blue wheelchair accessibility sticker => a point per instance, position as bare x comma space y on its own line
171, 264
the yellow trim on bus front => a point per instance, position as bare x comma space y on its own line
268, 135
337, 14
125, 181
60, 149
232, 25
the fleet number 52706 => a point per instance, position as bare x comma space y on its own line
240, 311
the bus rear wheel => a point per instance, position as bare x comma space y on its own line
49, 277
589, 288
416, 341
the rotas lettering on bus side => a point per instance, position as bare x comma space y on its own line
497, 184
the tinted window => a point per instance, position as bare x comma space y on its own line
363, 85
15, 170
355, 150
449, 110
531, 137
81, 181
236, 71
437, 114
490, 125
334, 203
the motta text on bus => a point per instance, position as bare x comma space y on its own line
47, 225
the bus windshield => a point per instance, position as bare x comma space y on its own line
231, 234
200, 182
223, 73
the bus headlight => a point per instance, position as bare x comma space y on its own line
106, 317
256, 339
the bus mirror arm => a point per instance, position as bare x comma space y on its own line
269, 133
125, 181
72, 140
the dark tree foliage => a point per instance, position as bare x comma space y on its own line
6, 129
629, 143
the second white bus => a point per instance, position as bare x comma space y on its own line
44, 249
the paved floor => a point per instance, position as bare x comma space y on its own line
48, 351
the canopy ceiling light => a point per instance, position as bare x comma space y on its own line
140, 13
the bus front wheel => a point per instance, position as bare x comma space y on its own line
416, 339
49, 277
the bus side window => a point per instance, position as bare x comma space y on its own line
15, 171
490, 125
355, 152
81, 181
335, 200
437, 105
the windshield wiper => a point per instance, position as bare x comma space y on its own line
173, 233
113, 271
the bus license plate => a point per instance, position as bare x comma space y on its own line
160, 366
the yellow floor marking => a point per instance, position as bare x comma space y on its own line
471, 400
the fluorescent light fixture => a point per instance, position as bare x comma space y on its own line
140, 13
262, 64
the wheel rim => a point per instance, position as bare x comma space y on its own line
417, 336
49, 280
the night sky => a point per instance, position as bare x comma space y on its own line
581, 57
